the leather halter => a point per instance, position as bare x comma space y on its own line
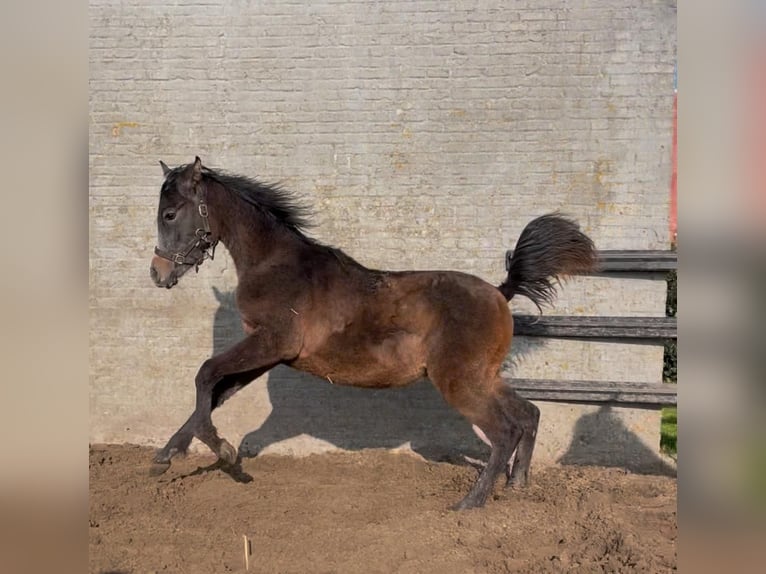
201, 241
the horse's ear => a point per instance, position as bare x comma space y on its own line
165, 169
192, 175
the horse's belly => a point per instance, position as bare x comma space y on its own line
372, 380
393, 363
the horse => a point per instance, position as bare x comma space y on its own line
314, 308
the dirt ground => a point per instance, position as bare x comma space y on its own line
367, 512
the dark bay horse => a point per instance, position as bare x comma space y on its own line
314, 308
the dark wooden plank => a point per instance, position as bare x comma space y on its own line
595, 391
639, 254
629, 261
637, 261
595, 327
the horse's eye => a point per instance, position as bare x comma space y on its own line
170, 215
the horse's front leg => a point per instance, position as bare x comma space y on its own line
218, 379
180, 441
178, 444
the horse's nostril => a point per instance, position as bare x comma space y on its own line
154, 274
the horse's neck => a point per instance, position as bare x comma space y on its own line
249, 238
252, 240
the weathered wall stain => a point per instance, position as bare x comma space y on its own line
117, 128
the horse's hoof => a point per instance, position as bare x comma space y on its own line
466, 504
163, 456
516, 483
158, 468
227, 453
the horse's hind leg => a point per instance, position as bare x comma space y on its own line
483, 404
528, 416
503, 434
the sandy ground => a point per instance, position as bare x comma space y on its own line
370, 511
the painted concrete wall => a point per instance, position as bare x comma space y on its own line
426, 134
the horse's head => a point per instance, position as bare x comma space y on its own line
184, 239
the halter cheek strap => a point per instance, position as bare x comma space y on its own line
201, 241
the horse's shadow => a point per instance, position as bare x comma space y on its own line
353, 418
347, 417
601, 438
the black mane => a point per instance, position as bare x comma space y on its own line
271, 199
274, 200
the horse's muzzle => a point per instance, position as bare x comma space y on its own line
163, 272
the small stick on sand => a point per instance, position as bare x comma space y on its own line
247, 551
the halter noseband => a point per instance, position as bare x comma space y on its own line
201, 241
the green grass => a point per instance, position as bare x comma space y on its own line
669, 431
669, 425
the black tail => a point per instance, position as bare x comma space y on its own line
550, 247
